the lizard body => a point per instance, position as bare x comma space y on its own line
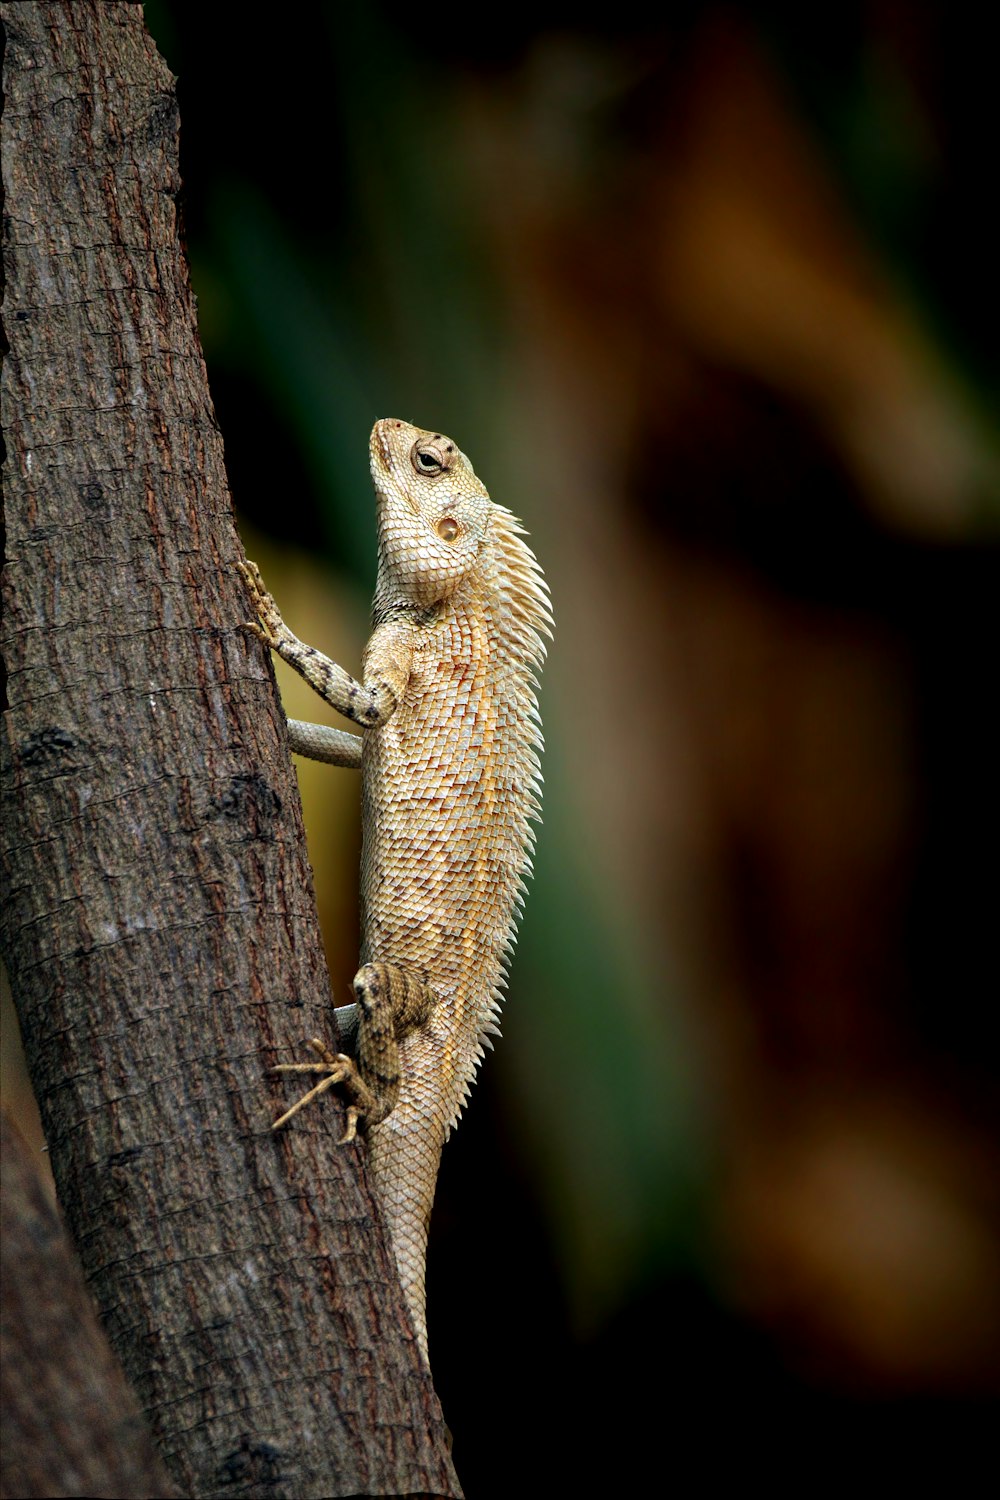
448, 750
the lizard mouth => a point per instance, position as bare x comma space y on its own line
379, 442
388, 472
380, 451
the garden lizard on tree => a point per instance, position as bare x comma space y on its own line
450, 787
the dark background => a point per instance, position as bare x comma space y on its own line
710, 302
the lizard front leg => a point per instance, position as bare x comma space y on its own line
388, 660
389, 1002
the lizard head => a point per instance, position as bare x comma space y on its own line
433, 513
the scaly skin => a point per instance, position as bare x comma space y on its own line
450, 787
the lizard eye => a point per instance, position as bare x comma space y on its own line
426, 461
447, 528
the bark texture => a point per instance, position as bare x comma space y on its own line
71, 1423
158, 919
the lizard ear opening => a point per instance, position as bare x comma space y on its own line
447, 528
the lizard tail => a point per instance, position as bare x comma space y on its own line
403, 1157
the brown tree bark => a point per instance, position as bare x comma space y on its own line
158, 919
71, 1423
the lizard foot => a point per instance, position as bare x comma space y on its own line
268, 627
336, 1068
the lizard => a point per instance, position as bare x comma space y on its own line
449, 745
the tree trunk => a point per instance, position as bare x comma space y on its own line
158, 920
71, 1423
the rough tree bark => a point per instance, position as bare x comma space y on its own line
158, 918
71, 1423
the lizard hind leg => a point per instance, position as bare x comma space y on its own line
391, 1001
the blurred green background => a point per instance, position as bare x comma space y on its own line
707, 301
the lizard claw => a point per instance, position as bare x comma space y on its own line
353, 1115
261, 632
268, 627
336, 1067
